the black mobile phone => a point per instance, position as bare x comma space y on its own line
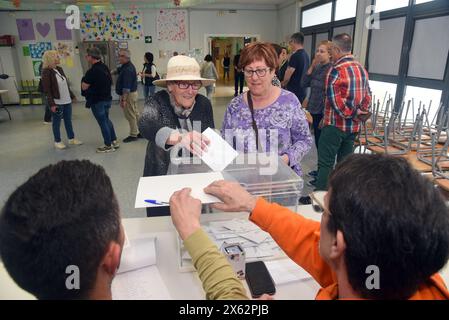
259, 279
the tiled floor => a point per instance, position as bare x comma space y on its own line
27, 146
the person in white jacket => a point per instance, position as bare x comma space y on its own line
209, 71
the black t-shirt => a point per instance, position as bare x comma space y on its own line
300, 61
226, 62
100, 80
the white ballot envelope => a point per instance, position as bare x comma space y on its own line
219, 153
161, 188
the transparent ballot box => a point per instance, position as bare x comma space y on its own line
260, 174
264, 175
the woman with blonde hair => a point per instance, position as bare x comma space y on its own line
59, 97
315, 78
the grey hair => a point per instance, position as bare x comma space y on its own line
127, 52
343, 41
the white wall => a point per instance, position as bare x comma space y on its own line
243, 22
288, 23
262, 22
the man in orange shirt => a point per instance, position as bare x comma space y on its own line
379, 214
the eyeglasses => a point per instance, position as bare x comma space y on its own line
260, 72
317, 199
186, 85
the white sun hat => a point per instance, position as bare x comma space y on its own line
181, 68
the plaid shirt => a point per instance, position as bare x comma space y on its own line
347, 89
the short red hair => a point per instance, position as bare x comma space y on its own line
258, 51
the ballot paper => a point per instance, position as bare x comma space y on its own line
286, 271
161, 188
258, 244
219, 153
138, 277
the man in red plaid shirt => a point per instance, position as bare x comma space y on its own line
348, 96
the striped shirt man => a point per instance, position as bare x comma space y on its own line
347, 89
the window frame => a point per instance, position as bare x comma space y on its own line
412, 13
325, 27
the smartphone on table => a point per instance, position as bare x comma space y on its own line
259, 279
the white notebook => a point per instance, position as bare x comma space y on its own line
138, 277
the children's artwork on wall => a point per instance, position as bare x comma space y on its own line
171, 25
38, 49
65, 51
104, 26
43, 28
62, 33
26, 51
26, 29
36, 64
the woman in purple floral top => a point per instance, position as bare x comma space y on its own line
280, 120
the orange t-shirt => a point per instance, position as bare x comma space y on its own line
299, 238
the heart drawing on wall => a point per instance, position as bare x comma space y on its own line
43, 28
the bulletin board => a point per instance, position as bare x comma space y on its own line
106, 26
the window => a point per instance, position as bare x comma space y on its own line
428, 55
422, 1
308, 44
320, 37
385, 5
345, 9
382, 90
386, 42
424, 96
318, 15
349, 29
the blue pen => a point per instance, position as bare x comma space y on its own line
155, 202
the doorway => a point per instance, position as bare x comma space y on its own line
220, 45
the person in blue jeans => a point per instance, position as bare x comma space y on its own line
96, 87
59, 97
148, 75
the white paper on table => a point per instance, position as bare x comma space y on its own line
138, 254
257, 236
286, 271
219, 153
161, 188
142, 284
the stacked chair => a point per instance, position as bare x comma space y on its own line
409, 133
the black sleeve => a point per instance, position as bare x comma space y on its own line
89, 78
295, 61
208, 117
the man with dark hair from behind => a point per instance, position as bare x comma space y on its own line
379, 214
64, 215
67, 215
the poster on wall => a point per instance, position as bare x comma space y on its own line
104, 26
38, 49
36, 64
26, 29
171, 25
65, 51
62, 33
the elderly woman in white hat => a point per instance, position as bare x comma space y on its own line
176, 116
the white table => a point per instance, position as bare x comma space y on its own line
185, 285
181, 285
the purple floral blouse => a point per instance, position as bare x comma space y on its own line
281, 125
